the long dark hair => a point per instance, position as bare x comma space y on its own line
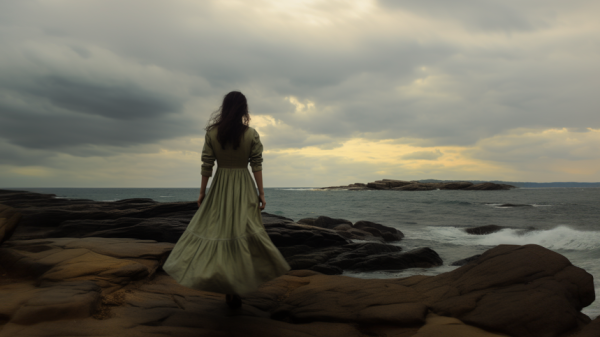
231, 119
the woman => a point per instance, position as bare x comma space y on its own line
225, 248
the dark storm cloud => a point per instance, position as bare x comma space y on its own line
44, 126
120, 102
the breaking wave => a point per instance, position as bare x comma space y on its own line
559, 238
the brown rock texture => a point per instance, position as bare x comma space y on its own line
114, 287
9, 220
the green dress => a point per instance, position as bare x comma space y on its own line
225, 248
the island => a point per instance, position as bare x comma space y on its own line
402, 185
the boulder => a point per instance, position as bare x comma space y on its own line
389, 234
521, 291
334, 260
483, 230
272, 219
417, 258
285, 235
324, 222
361, 230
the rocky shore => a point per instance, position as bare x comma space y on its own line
401, 185
83, 268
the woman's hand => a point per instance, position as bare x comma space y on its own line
262, 200
200, 198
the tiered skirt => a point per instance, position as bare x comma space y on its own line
225, 248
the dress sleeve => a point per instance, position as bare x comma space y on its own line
208, 157
256, 153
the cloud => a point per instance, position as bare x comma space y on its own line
52, 97
521, 146
415, 79
486, 15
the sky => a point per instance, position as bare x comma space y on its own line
117, 93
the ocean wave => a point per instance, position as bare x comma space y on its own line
559, 238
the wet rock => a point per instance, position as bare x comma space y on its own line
359, 257
362, 230
364, 259
389, 234
285, 235
273, 219
483, 230
324, 222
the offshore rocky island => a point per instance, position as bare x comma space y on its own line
402, 185
74, 267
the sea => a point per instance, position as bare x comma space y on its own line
565, 220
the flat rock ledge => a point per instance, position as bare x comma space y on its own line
402, 185
115, 287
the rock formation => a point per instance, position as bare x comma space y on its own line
401, 185
114, 286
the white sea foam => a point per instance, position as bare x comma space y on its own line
561, 237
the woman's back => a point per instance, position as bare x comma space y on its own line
250, 149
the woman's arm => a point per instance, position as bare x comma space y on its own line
202, 189
261, 191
